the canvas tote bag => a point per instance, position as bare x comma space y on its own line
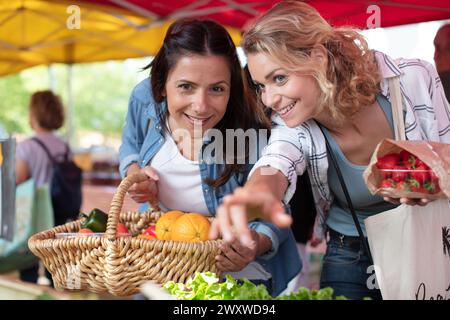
410, 245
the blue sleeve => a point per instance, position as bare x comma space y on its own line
275, 234
130, 148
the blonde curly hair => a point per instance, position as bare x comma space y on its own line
292, 29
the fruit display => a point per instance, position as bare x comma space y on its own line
164, 224
173, 225
179, 226
406, 172
149, 233
119, 263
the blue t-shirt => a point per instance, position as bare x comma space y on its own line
365, 204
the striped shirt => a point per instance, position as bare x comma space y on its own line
294, 150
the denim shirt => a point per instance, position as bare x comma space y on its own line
143, 136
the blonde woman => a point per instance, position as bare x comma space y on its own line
324, 84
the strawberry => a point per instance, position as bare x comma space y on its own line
403, 185
434, 178
420, 163
407, 159
386, 173
388, 161
421, 174
400, 173
430, 187
387, 183
414, 185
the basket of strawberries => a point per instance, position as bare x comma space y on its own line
131, 248
411, 169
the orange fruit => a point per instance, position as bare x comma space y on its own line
191, 227
164, 224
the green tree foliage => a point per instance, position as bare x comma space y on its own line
13, 104
100, 93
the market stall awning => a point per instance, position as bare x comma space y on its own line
236, 13
34, 32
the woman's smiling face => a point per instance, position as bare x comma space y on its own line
197, 91
293, 97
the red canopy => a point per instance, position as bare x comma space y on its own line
236, 13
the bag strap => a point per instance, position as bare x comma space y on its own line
49, 155
397, 109
347, 197
47, 151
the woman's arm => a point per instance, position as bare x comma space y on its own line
236, 256
259, 198
22, 171
129, 149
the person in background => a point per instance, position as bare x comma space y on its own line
196, 85
46, 115
442, 56
324, 84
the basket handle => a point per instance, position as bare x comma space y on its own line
117, 202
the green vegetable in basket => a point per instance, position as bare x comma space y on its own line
95, 221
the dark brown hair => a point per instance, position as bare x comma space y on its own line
47, 109
205, 37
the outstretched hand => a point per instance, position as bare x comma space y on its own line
243, 205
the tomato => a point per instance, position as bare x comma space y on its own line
85, 230
122, 229
151, 231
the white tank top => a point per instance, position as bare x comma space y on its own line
178, 176
181, 176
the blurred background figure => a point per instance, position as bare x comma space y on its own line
46, 114
442, 56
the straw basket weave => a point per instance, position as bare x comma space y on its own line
117, 264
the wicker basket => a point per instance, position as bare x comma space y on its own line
116, 264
